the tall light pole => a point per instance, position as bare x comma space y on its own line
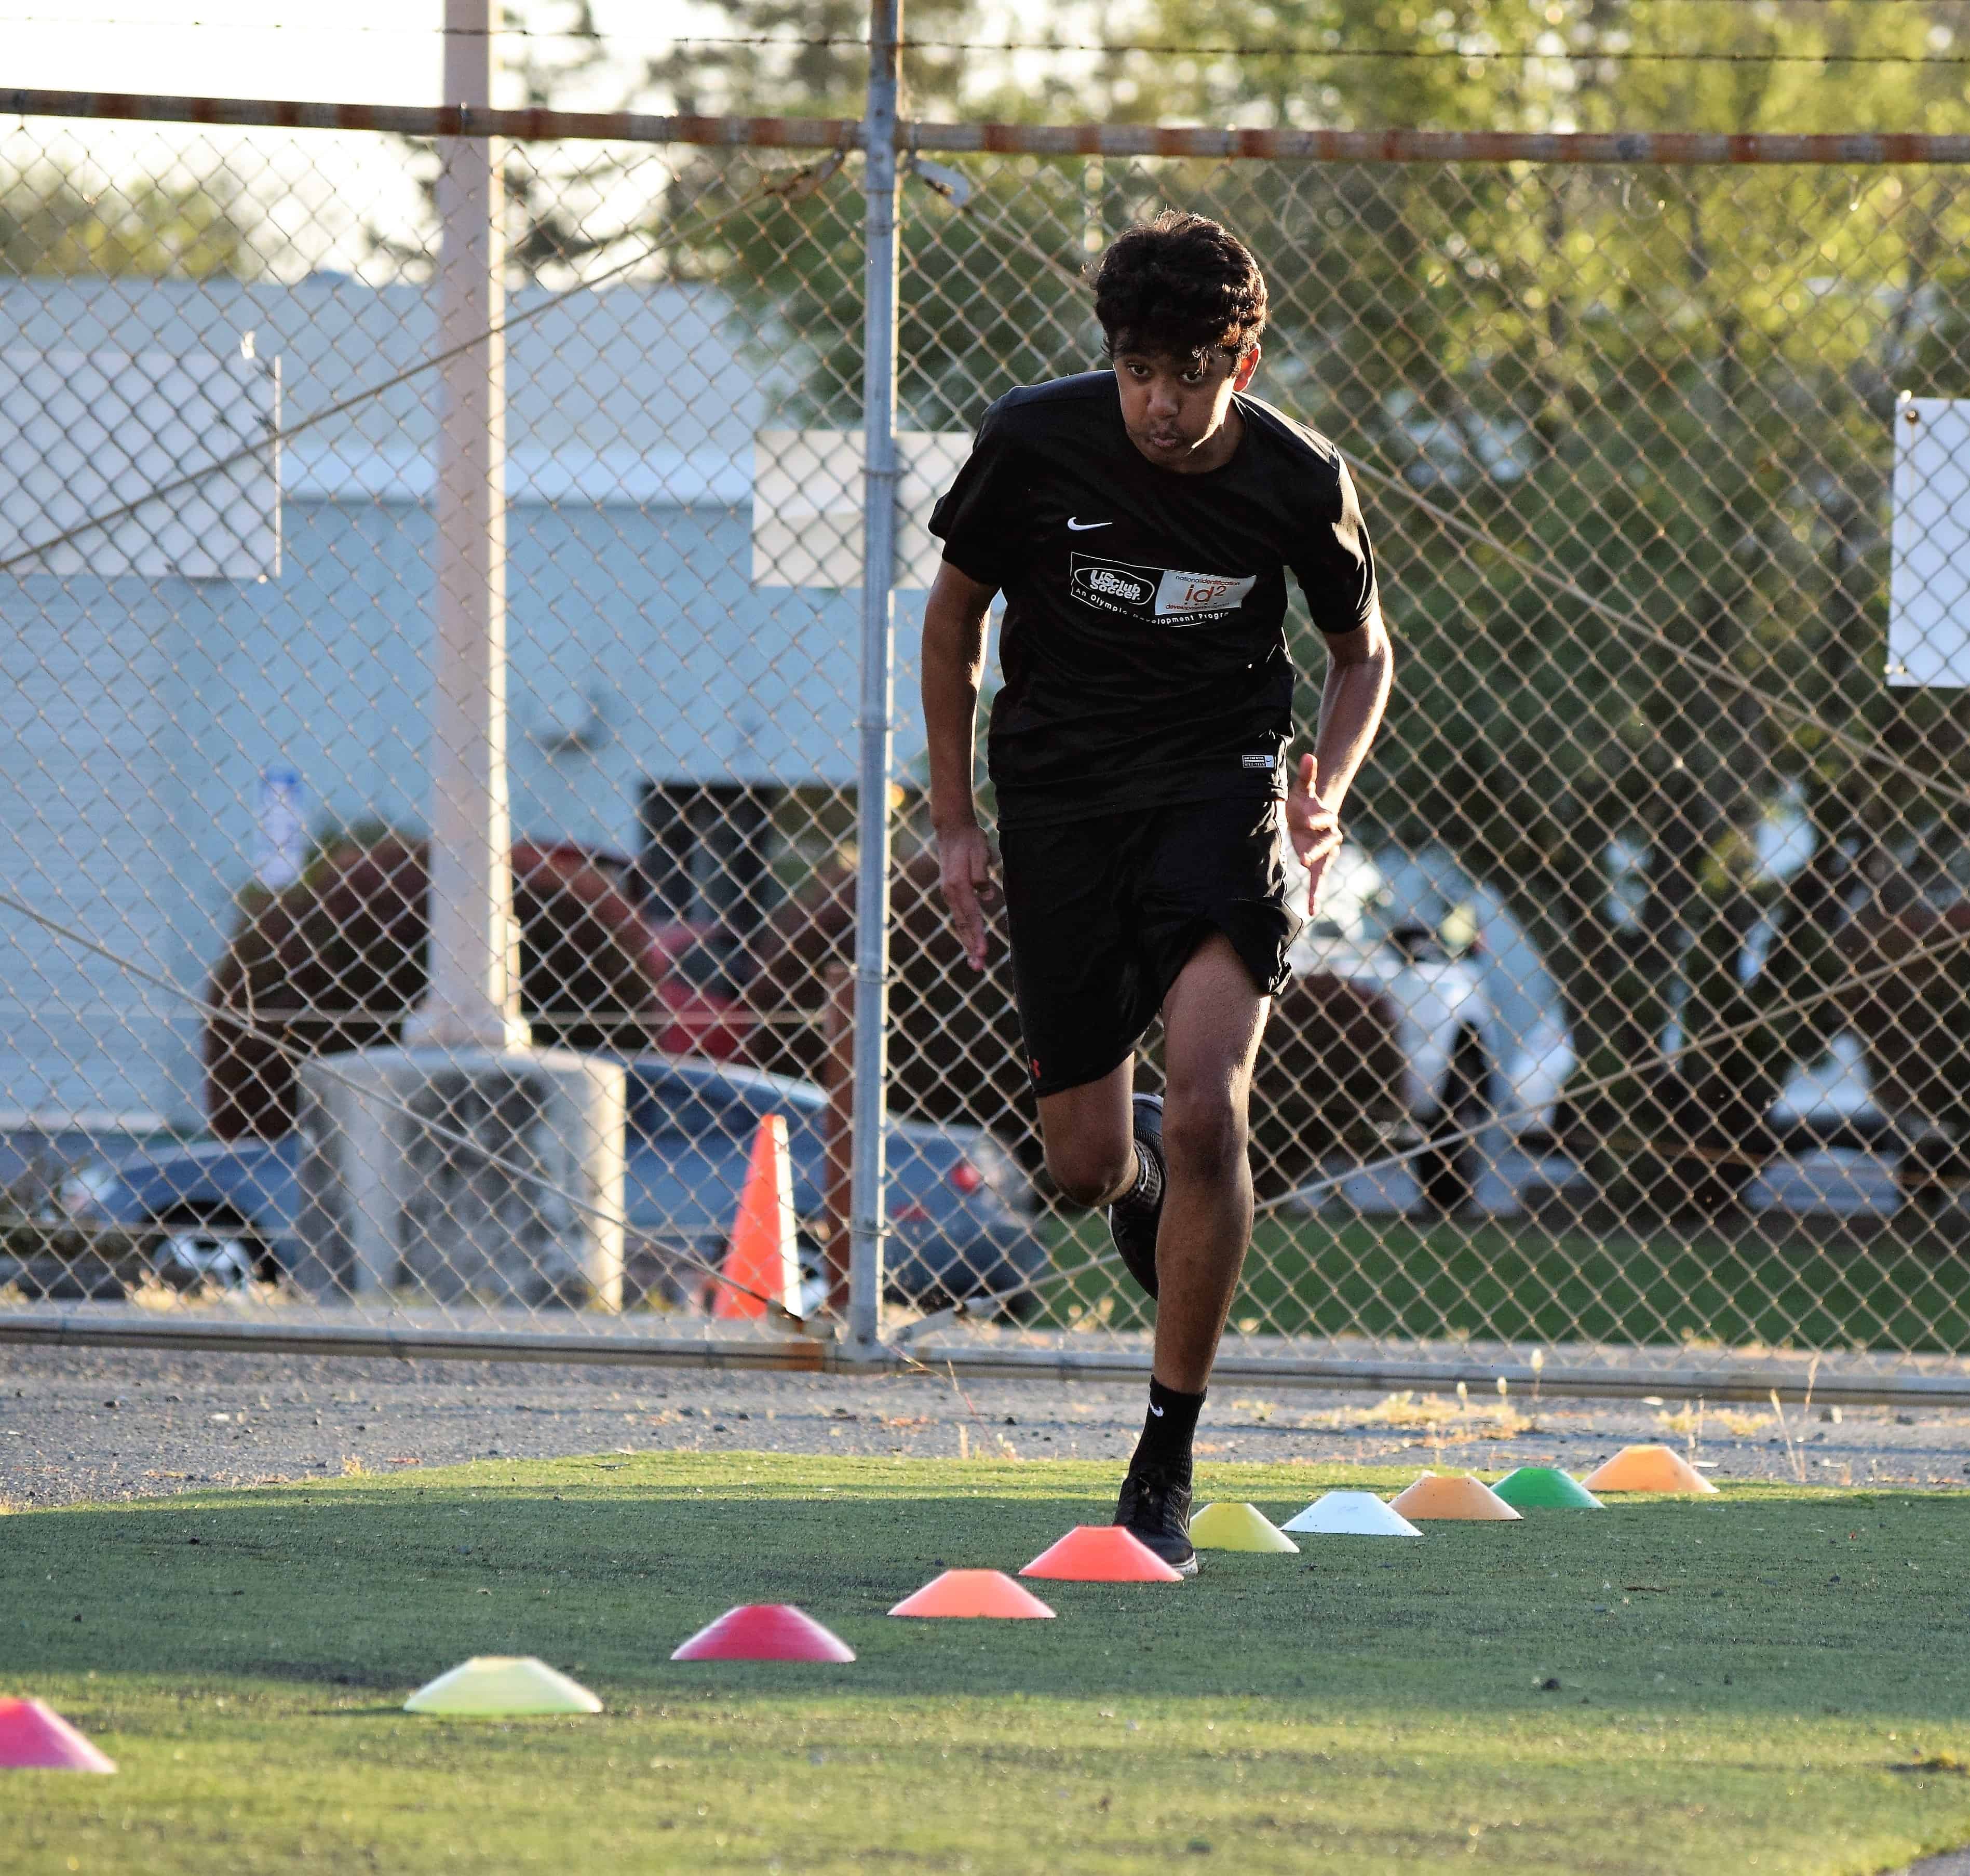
473, 999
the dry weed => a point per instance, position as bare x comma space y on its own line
1686, 1420
1433, 1414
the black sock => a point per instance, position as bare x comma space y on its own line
1168, 1429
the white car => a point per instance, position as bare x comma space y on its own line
1479, 1026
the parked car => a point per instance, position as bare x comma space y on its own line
1829, 1102
1913, 1018
1477, 1025
959, 1206
1844, 992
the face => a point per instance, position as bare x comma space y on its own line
1175, 409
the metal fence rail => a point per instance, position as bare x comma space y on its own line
1635, 1033
1868, 149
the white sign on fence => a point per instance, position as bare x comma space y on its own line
1929, 585
280, 855
83, 434
807, 505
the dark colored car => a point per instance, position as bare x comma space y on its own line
959, 1207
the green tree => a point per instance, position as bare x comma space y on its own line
1672, 390
51, 224
1697, 369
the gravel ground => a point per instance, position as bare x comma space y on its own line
79, 1425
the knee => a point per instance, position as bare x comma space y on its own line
1204, 1135
1090, 1172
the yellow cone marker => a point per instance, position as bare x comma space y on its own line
498, 1686
1237, 1527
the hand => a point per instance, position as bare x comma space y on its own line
964, 872
1312, 828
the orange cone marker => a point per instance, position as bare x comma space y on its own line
1467, 1497
762, 1255
973, 1593
35, 1738
1647, 1468
1101, 1554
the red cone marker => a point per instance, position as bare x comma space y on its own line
764, 1631
34, 1738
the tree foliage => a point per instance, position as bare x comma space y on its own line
1669, 392
51, 223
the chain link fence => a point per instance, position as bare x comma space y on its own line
1633, 1036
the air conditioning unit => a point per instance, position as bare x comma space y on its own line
448, 1178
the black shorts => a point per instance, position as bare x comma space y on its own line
1103, 913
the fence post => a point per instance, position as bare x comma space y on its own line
474, 997
878, 560
837, 1077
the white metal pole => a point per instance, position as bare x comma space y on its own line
474, 998
867, 1226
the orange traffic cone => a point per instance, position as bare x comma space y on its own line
762, 1255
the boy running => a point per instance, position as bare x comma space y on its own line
1140, 522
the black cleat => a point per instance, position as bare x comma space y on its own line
1157, 1508
1131, 1223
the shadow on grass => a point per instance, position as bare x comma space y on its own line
1768, 1602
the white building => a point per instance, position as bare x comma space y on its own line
142, 710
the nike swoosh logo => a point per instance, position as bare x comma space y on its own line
1156, 1410
1081, 526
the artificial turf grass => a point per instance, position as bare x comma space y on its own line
1521, 1282
1370, 1705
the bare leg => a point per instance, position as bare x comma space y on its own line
1213, 1017
1090, 1139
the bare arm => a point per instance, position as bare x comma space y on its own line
954, 662
1360, 666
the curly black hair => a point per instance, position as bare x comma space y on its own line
1182, 285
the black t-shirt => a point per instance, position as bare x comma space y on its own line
1144, 642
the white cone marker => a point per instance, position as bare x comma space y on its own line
1351, 1514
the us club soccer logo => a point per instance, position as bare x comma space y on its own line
1163, 593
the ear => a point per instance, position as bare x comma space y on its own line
1247, 366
